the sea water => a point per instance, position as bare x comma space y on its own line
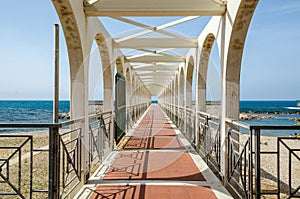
269, 106
42, 112
284, 114
18, 111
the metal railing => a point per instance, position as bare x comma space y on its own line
184, 119
59, 156
293, 152
239, 160
246, 175
99, 130
209, 140
134, 112
190, 125
245, 165
15, 154
292, 149
26, 160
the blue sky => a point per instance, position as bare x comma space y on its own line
270, 68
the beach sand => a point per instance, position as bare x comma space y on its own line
269, 162
40, 161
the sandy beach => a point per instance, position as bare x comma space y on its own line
269, 162
40, 161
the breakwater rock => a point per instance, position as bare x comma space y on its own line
64, 116
244, 116
272, 112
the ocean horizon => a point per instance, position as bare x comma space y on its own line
41, 111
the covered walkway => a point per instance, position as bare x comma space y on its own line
143, 57
160, 50
155, 161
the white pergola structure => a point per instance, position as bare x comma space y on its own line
156, 68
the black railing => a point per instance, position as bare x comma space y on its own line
239, 162
247, 174
99, 126
134, 112
283, 179
26, 160
190, 119
13, 156
209, 141
293, 152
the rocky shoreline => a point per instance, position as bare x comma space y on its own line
273, 112
64, 116
244, 116
267, 115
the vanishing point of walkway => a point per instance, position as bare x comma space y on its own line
155, 161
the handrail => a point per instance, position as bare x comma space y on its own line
68, 123
199, 112
99, 114
66, 156
237, 123
50, 125
275, 127
243, 176
28, 125
131, 106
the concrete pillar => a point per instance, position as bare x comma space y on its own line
203, 67
77, 51
181, 88
231, 40
80, 32
189, 82
172, 99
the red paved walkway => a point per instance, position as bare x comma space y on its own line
153, 153
152, 192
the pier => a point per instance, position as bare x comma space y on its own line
156, 160
132, 148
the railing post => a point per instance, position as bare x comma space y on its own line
278, 165
196, 129
56, 75
111, 131
257, 163
250, 165
228, 157
54, 163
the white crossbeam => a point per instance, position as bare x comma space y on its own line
154, 29
155, 8
89, 2
154, 68
153, 81
156, 74
176, 22
161, 52
153, 52
155, 59
138, 43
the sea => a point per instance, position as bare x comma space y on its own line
17, 111
284, 113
